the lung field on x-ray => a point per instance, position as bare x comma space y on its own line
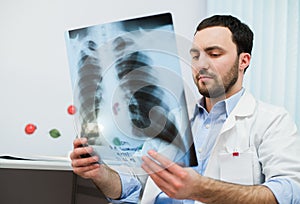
149, 113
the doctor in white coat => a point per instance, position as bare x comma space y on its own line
247, 151
254, 157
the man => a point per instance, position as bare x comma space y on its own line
246, 150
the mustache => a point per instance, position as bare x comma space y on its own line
205, 73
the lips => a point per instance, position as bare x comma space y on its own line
203, 77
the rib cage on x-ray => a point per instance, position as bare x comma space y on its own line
138, 80
133, 69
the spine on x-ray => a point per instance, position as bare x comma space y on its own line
89, 90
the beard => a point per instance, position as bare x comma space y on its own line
220, 85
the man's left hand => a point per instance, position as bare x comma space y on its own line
177, 182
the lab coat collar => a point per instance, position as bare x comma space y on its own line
244, 108
230, 104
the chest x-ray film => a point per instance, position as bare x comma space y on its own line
128, 90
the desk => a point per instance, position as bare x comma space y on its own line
46, 182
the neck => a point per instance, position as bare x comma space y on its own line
210, 102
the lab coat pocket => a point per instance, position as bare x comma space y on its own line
236, 167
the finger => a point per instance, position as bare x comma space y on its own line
160, 182
79, 142
157, 171
172, 167
150, 166
165, 162
162, 178
84, 162
83, 169
75, 154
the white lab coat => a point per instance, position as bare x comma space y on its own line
265, 141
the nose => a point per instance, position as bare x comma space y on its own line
202, 62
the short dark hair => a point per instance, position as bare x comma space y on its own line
242, 36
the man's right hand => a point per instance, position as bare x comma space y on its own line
105, 178
86, 167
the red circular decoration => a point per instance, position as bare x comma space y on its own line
30, 128
71, 110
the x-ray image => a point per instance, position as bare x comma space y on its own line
128, 90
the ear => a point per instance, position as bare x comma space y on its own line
244, 61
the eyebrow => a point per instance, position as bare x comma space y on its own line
194, 50
207, 49
213, 48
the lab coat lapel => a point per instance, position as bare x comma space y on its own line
244, 108
150, 193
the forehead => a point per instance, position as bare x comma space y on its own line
214, 36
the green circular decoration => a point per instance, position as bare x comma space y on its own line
117, 141
54, 133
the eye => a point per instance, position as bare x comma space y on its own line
214, 54
195, 53
195, 57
